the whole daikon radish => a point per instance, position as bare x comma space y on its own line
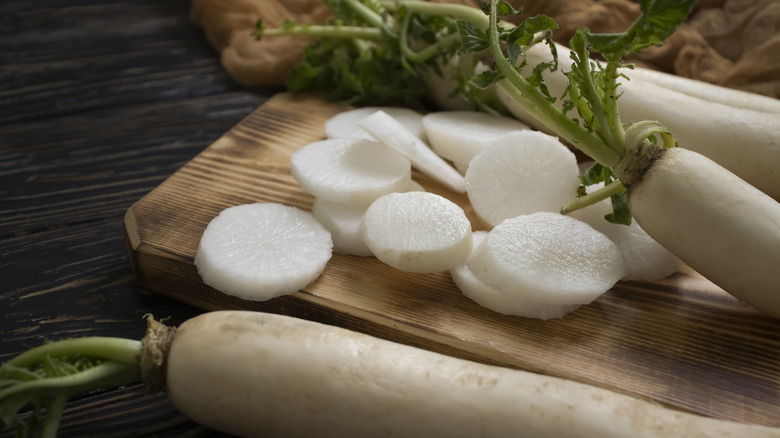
253, 374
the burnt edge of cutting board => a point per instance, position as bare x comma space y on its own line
681, 341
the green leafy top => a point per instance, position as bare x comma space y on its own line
382, 52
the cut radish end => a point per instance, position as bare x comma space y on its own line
345, 125
344, 220
350, 171
417, 232
521, 173
392, 133
498, 301
261, 251
460, 135
548, 258
643, 257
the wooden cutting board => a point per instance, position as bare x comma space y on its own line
681, 341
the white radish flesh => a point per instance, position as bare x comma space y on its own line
350, 171
643, 257
417, 232
261, 251
460, 135
500, 301
548, 258
390, 132
345, 124
259, 375
344, 220
684, 200
521, 173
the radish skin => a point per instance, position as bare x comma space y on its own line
257, 375
685, 199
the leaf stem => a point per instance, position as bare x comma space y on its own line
330, 31
126, 351
613, 188
542, 108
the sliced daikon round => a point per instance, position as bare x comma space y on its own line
548, 258
349, 170
344, 220
499, 301
261, 251
417, 232
345, 124
521, 173
460, 135
643, 257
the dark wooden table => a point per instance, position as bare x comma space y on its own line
100, 101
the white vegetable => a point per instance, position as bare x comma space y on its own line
390, 132
259, 375
344, 220
746, 142
705, 91
460, 135
261, 251
345, 124
685, 199
417, 232
643, 257
521, 173
350, 171
548, 258
499, 301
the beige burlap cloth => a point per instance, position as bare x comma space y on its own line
733, 43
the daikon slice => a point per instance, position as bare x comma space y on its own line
344, 220
417, 232
390, 132
521, 173
548, 258
349, 170
499, 301
261, 251
460, 135
643, 257
345, 124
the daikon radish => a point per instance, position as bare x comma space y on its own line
345, 124
349, 170
548, 258
460, 135
390, 132
709, 128
261, 251
344, 220
500, 301
417, 232
521, 173
253, 374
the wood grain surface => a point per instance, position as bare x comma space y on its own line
681, 341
